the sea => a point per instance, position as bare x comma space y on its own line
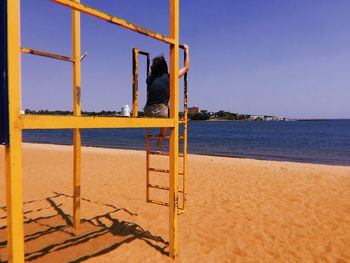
307, 141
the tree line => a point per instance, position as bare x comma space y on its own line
201, 116
220, 115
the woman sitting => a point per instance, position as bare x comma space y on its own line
158, 91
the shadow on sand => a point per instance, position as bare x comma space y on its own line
49, 235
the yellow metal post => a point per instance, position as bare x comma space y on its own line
185, 124
77, 112
13, 152
174, 132
135, 82
148, 65
147, 163
148, 133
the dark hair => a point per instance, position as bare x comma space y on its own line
159, 66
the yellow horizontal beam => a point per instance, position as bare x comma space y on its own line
45, 54
114, 20
70, 122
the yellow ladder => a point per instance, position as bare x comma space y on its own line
154, 170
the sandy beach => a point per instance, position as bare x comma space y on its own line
239, 210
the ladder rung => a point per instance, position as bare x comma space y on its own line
180, 210
157, 202
162, 187
163, 153
159, 153
163, 137
182, 121
158, 186
159, 170
157, 137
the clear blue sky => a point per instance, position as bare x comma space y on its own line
280, 57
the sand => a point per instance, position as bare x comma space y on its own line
239, 210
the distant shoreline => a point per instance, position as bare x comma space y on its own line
322, 119
224, 120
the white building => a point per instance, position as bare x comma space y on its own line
126, 111
256, 117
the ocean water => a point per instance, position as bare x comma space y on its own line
326, 142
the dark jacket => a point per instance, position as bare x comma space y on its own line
158, 90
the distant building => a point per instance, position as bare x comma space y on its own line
193, 110
271, 118
265, 118
125, 111
256, 117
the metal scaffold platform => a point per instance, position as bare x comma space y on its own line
13, 122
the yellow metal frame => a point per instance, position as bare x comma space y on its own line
18, 122
135, 78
